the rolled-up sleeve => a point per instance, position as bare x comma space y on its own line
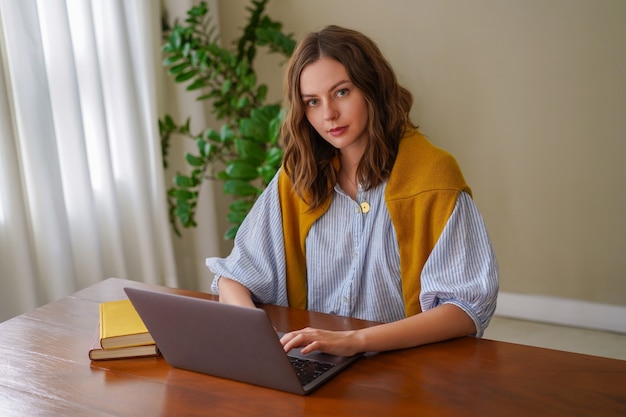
462, 268
257, 260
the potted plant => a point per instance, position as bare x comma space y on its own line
243, 152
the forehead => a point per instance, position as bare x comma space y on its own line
322, 75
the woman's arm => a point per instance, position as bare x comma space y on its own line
443, 322
232, 292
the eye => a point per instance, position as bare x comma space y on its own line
311, 103
342, 92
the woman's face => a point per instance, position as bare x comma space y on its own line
334, 106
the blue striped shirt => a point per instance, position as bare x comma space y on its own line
353, 261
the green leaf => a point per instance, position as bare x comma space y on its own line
236, 217
183, 181
226, 86
261, 92
242, 103
212, 135
241, 205
185, 215
193, 160
274, 129
170, 122
267, 173
171, 60
199, 83
231, 232
185, 76
199, 11
197, 175
253, 129
183, 194
239, 188
250, 151
177, 69
206, 149
200, 144
249, 81
257, 126
186, 49
242, 68
274, 156
185, 128
226, 133
241, 171
176, 38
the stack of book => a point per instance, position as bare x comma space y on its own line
121, 333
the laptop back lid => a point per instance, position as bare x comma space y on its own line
218, 339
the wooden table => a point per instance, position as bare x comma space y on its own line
45, 371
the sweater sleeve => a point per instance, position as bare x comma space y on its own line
462, 268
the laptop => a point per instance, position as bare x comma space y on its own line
232, 342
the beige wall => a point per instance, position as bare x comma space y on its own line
530, 96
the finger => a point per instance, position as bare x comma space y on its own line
310, 347
297, 340
286, 338
291, 335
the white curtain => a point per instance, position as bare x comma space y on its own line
82, 194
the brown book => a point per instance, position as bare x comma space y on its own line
96, 353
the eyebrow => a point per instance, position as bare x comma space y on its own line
334, 86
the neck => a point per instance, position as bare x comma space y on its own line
349, 166
349, 182
347, 174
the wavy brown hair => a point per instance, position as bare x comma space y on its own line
308, 157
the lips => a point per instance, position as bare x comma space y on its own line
337, 131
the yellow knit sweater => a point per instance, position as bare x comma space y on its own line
421, 194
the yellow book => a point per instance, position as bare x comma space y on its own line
121, 326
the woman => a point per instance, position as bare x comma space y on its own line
365, 218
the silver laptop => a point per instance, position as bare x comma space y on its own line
231, 342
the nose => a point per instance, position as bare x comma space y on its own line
330, 111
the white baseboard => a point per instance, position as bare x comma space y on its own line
562, 311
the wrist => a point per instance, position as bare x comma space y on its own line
360, 340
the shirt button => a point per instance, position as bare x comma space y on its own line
345, 300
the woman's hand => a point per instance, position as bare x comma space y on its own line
340, 343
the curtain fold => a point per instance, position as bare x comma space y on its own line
81, 180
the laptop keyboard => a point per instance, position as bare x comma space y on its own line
307, 370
